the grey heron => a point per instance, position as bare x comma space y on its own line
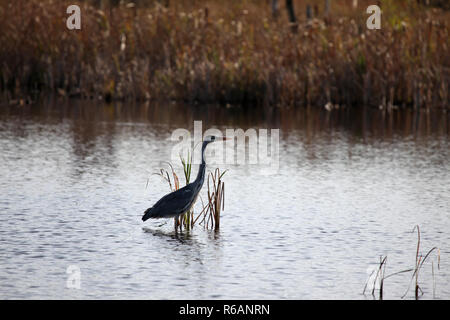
181, 200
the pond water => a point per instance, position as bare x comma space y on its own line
351, 185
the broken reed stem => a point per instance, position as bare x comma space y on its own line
379, 278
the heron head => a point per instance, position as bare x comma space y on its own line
214, 139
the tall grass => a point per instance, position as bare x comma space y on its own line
227, 52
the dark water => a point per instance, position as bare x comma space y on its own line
351, 185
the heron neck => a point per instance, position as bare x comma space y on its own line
202, 167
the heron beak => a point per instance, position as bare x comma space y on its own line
225, 138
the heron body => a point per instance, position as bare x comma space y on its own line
181, 200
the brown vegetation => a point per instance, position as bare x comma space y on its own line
234, 52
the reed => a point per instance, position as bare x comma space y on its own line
216, 200
420, 260
232, 52
377, 278
187, 219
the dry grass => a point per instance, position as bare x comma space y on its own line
227, 52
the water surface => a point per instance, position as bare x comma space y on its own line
76, 177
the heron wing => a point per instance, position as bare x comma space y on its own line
172, 204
